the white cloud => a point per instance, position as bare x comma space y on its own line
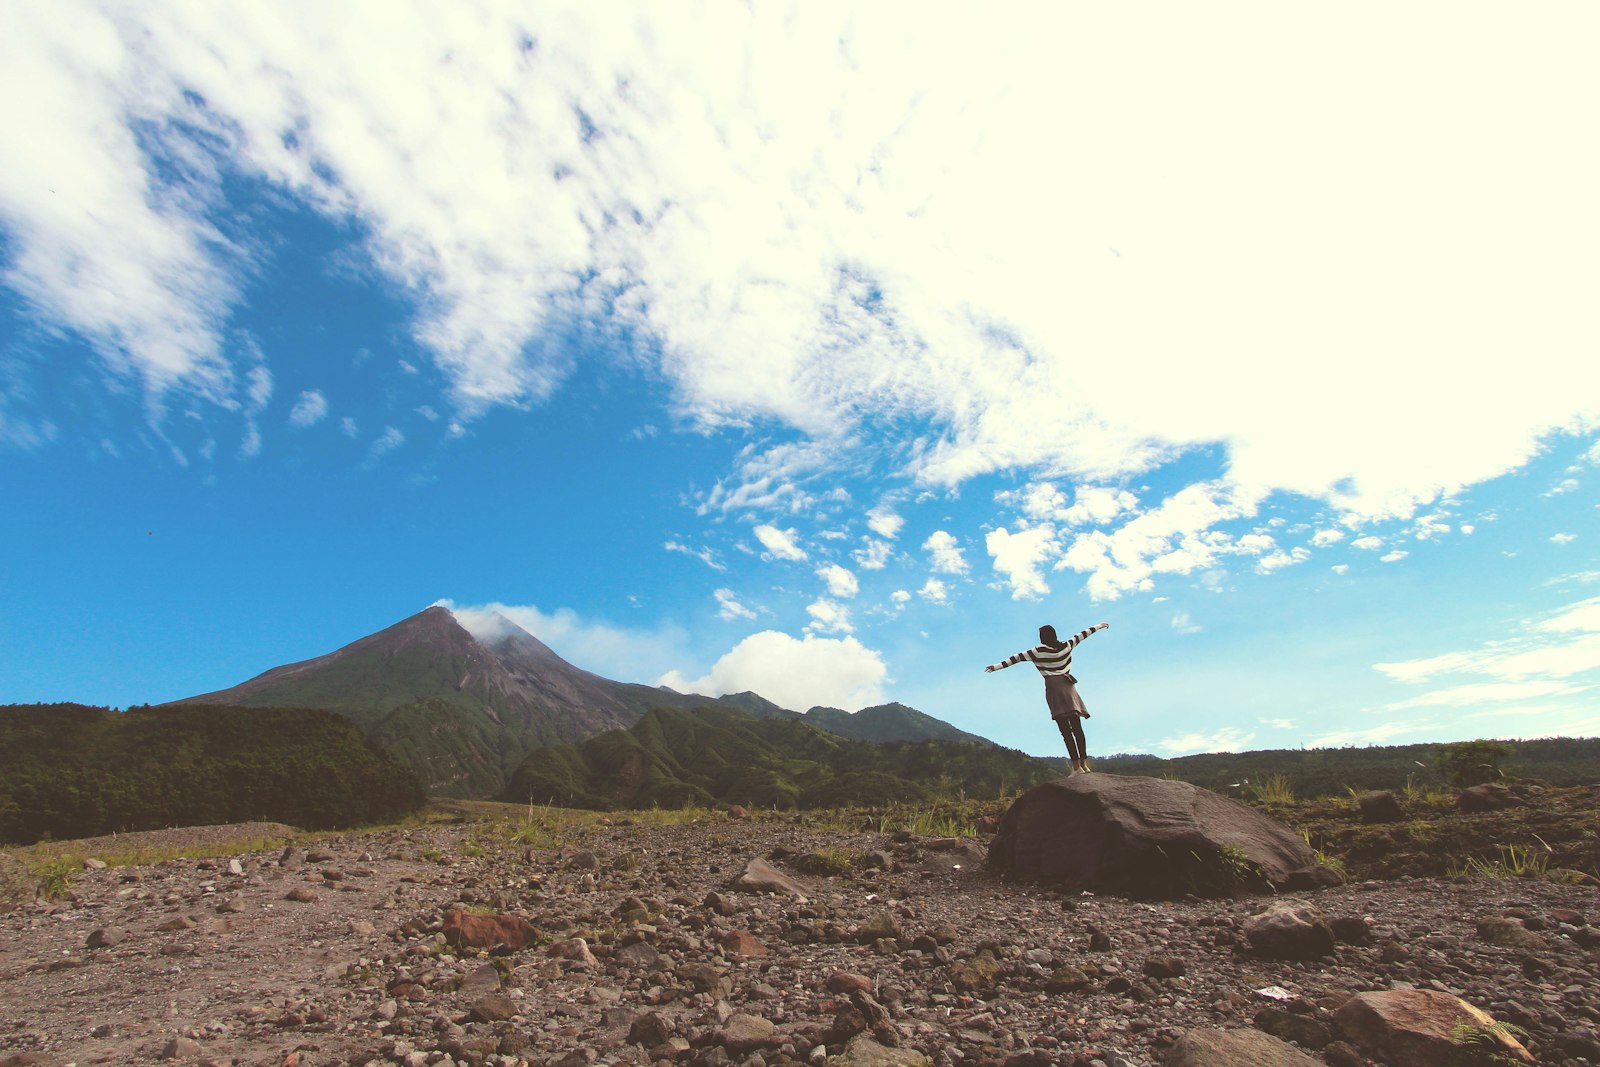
622, 653
1324, 538
1279, 559
873, 556
1020, 557
1393, 557
934, 591
1369, 543
841, 583
310, 408
900, 597
780, 544
796, 674
884, 522
1340, 568
1183, 624
1228, 739
729, 607
704, 555
1172, 538
386, 442
836, 257
1555, 657
945, 553
828, 617
1487, 693
348, 427
1563, 538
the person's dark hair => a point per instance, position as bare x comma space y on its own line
1048, 638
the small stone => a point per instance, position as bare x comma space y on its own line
181, 1048
848, 982
107, 936
494, 1008
301, 895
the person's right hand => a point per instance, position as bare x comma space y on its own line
1103, 626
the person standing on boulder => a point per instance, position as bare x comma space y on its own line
1053, 658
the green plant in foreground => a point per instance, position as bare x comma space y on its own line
1275, 790
1486, 1044
825, 861
1515, 861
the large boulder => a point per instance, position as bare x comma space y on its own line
1148, 837
1424, 1028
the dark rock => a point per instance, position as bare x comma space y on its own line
1379, 807
1163, 967
650, 1029
1351, 929
1301, 1029
497, 1007
1489, 797
1143, 837
1509, 933
107, 936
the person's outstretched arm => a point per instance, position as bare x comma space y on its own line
1072, 642
1026, 653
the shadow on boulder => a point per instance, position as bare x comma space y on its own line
1149, 837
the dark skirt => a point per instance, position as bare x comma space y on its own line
1062, 697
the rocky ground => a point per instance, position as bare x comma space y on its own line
641, 949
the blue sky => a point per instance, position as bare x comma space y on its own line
818, 351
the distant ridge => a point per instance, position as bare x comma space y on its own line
465, 710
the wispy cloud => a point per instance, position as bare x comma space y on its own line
310, 408
729, 608
704, 555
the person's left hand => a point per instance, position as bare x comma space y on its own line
989, 669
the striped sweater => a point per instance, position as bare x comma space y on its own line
1049, 661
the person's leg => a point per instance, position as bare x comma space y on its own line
1074, 747
1078, 738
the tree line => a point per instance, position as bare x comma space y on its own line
71, 770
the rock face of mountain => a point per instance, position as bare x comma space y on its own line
463, 710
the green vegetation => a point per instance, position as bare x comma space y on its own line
1469, 763
70, 771
1487, 1044
719, 756
1515, 861
1323, 772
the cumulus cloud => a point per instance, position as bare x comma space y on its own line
1020, 558
794, 673
944, 553
841, 583
310, 408
934, 591
828, 617
825, 259
1369, 543
884, 522
729, 607
872, 556
1324, 538
1228, 739
1563, 538
780, 544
